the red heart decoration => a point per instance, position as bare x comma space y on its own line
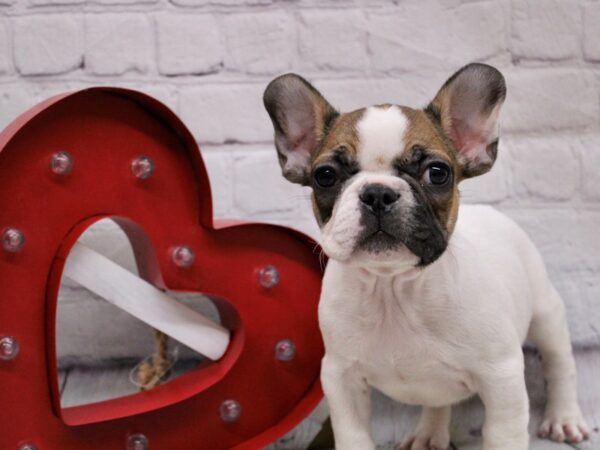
104, 129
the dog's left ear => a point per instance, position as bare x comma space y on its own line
467, 109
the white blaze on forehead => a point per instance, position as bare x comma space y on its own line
381, 133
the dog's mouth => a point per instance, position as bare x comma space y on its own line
379, 241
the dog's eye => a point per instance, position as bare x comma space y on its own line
325, 176
437, 174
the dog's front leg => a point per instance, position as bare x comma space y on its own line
349, 399
501, 386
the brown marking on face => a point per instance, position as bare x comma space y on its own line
339, 146
423, 134
342, 134
323, 109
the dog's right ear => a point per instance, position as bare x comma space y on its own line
300, 116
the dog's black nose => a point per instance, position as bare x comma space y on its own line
378, 198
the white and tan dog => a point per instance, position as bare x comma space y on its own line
422, 300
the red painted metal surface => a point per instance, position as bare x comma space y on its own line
104, 129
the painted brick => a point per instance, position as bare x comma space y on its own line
410, 89
47, 89
307, 225
219, 165
545, 167
550, 99
48, 44
306, 206
220, 2
226, 113
14, 100
565, 238
259, 189
545, 29
333, 40
123, 2
492, 187
5, 53
590, 162
259, 42
591, 31
54, 2
118, 43
189, 44
403, 38
581, 292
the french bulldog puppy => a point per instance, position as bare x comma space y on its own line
427, 302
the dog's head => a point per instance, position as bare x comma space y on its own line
385, 178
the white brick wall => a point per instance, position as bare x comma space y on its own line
591, 24
118, 43
546, 29
187, 44
260, 42
48, 44
211, 59
429, 36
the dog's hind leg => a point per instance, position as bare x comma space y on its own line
563, 420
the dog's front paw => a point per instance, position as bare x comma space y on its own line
564, 428
426, 440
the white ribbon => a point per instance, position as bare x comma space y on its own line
145, 302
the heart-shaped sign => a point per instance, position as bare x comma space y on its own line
68, 163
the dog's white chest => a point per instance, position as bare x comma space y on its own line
419, 378
391, 342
